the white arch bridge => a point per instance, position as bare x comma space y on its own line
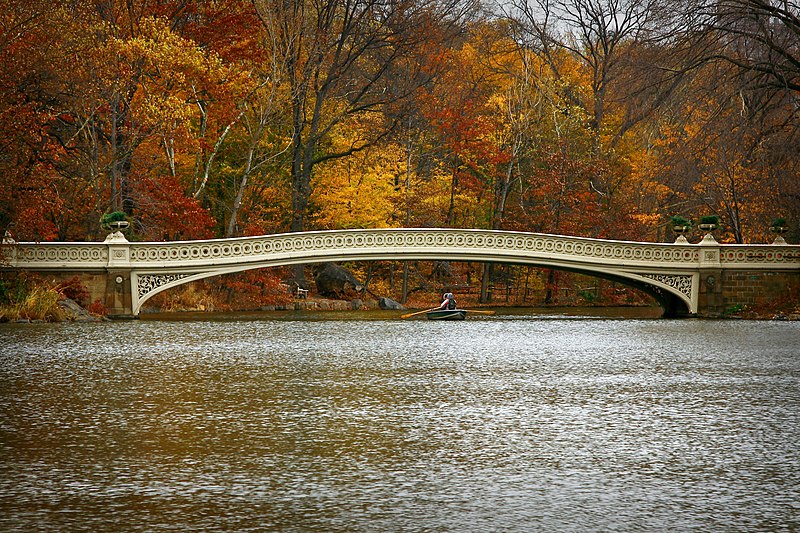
687, 279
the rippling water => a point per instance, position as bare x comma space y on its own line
507, 423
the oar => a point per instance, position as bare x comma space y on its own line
480, 312
409, 315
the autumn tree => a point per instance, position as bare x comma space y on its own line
729, 145
342, 59
28, 45
613, 63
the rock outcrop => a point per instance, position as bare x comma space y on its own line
337, 282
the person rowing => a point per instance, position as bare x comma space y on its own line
449, 301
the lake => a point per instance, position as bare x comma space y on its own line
365, 422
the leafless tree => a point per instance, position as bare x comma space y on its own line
760, 37
615, 39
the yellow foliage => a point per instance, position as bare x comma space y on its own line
357, 191
40, 303
648, 220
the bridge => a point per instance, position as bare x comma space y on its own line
687, 279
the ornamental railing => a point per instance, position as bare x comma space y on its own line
461, 244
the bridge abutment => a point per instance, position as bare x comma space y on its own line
118, 297
711, 301
751, 289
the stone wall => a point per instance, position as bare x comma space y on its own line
757, 289
726, 291
102, 286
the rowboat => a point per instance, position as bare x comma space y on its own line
447, 314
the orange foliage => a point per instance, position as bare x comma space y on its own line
185, 219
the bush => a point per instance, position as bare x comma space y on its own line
97, 308
678, 220
12, 290
74, 290
28, 297
779, 222
39, 303
108, 218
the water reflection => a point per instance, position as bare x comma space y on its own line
509, 423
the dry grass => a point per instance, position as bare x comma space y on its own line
189, 297
39, 303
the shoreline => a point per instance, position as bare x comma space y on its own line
73, 312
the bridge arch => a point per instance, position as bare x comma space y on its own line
596, 258
673, 301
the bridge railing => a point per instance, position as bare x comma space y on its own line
461, 244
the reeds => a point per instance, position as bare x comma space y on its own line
37, 303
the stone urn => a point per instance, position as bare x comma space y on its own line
119, 225
779, 227
680, 227
681, 232
709, 223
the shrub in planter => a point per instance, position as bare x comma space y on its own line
779, 225
709, 222
680, 224
114, 221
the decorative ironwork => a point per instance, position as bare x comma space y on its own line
482, 244
147, 283
681, 283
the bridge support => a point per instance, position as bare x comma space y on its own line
710, 301
118, 296
724, 290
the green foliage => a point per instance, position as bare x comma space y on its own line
588, 296
114, 216
710, 219
733, 310
678, 220
779, 222
11, 291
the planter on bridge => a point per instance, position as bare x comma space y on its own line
680, 226
119, 225
779, 227
709, 223
115, 222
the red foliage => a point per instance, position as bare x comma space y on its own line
252, 289
74, 289
97, 308
166, 213
560, 198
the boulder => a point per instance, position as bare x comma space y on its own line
75, 312
388, 303
337, 282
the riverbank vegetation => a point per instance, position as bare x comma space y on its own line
31, 298
237, 117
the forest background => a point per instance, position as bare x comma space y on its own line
225, 118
